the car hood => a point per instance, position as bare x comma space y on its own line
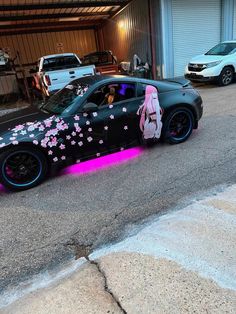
202, 59
31, 114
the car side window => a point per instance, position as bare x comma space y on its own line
142, 89
112, 93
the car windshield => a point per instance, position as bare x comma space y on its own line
63, 100
62, 62
223, 49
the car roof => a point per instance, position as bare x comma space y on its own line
229, 41
59, 55
91, 80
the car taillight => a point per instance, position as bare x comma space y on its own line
47, 80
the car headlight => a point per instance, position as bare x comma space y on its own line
212, 64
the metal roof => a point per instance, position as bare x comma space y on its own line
24, 16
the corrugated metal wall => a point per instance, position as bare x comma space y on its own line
33, 46
128, 32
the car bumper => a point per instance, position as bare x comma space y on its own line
195, 77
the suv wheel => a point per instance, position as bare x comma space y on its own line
226, 76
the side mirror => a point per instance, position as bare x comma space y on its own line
90, 107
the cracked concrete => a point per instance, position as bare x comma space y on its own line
182, 262
83, 292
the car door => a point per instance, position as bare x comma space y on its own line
120, 116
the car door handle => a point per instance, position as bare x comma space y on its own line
72, 72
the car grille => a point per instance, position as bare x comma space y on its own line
194, 67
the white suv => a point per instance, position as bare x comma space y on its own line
218, 64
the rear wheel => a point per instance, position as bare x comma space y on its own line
226, 76
178, 126
22, 168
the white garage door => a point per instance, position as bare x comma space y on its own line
234, 30
196, 28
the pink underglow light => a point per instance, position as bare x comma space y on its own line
2, 189
104, 162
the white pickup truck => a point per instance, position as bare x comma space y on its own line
53, 72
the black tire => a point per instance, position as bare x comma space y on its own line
226, 76
178, 125
22, 168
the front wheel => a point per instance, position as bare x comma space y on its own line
178, 126
22, 168
226, 76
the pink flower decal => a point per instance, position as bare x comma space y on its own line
53, 142
18, 128
50, 152
73, 143
44, 142
76, 118
62, 146
80, 143
63, 157
35, 142
55, 159
89, 139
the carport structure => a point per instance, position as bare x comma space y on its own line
28, 16
30, 29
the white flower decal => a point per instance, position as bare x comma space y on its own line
80, 143
124, 109
89, 139
106, 127
101, 142
112, 117
125, 127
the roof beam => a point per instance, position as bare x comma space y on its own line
51, 16
45, 30
62, 5
50, 24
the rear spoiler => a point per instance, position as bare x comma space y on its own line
180, 80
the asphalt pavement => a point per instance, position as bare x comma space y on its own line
75, 212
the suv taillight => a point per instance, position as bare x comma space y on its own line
47, 80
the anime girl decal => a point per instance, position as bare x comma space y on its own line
150, 115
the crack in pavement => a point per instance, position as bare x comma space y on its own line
106, 288
84, 251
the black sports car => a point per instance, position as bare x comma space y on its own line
77, 123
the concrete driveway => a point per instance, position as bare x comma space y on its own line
76, 213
